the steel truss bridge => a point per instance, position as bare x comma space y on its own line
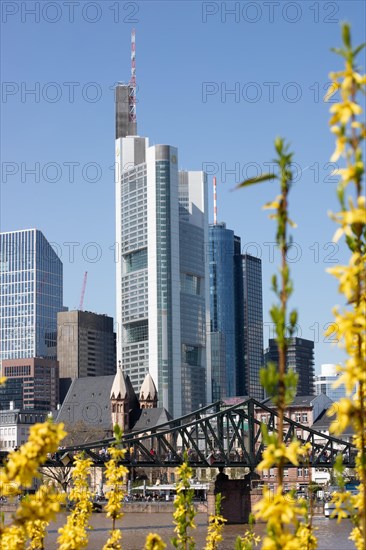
214, 436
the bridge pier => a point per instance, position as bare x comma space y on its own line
236, 504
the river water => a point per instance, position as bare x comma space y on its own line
135, 527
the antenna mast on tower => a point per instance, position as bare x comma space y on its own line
132, 83
83, 291
215, 200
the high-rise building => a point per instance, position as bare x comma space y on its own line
236, 329
31, 295
162, 292
324, 383
31, 383
253, 327
224, 330
299, 358
86, 344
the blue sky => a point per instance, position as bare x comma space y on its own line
274, 57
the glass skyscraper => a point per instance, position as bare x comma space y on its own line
236, 328
31, 295
223, 327
161, 279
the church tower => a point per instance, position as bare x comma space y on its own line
124, 402
148, 394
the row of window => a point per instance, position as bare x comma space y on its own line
301, 472
298, 417
7, 444
7, 431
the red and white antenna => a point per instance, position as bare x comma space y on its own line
215, 199
132, 83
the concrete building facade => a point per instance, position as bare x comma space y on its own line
86, 344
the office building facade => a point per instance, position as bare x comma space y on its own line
86, 344
253, 327
299, 358
31, 383
162, 293
236, 324
324, 383
223, 299
31, 287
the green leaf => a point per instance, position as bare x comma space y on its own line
278, 143
346, 35
117, 432
291, 379
259, 179
339, 51
358, 49
269, 379
340, 194
293, 317
338, 469
274, 283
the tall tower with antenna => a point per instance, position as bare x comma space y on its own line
132, 84
162, 293
125, 97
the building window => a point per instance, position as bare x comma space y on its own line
285, 472
137, 332
299, 472
304, 417
136, 260
190, 284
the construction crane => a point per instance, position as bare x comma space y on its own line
83, 291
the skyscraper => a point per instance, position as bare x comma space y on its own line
236, 329
31, 295
300, 358
223, 299
253, 327
86, 344
162, 293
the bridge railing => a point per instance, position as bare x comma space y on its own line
211, 437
